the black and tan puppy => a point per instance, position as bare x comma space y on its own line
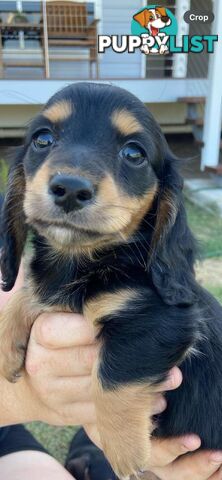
96, 185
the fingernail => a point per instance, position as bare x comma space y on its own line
191, 443
216, 457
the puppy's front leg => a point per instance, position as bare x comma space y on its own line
125, 425
16, 320
139, 345
123, 400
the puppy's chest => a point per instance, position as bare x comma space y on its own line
69, 286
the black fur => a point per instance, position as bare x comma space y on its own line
171, 312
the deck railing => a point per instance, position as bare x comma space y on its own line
36, 38
56, 39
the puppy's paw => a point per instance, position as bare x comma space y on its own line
145, 49
13, 345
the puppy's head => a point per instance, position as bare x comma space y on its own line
88, 165
153, 19
90, 170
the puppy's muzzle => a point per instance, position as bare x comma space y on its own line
71, 192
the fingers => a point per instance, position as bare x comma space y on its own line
61, 330
199, 466
173, 381
166, 451
75, 361
160, 405
68, 390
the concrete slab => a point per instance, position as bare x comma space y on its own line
204, 192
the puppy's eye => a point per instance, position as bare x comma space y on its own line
43, 139
133, 153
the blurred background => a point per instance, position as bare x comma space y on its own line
44, 45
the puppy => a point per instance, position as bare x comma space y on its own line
153, 19
98, 191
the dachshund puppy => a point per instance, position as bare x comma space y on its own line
98, 191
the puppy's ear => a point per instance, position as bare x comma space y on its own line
162, 11
142, 18
173, 247
14, 229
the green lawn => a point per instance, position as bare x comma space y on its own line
207, 227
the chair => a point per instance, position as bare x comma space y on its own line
67, 24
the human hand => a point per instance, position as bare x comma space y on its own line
59, 361
168, 459
170, 463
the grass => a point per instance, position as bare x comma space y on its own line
207, 227
56, 440
3, 174
216, 291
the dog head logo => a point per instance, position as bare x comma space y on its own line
154, 24
153, 19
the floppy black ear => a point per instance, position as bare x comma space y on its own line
173, 246
13, 227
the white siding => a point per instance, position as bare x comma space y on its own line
116, 19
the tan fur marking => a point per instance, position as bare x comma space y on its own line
40, 180
14, 204
166, 216
120, 212
16, 320
124, 413
59, 111
108, 304
124, 423
125, 122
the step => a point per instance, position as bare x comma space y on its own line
192, 100
199, 122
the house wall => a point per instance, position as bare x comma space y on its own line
117, 18
14, 120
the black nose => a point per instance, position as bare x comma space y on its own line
71, 193
165, 19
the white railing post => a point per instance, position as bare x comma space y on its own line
180, 59
213, 110
45, 40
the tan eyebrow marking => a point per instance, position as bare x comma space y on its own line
125, 122
59, 111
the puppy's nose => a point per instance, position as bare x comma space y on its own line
71, 193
